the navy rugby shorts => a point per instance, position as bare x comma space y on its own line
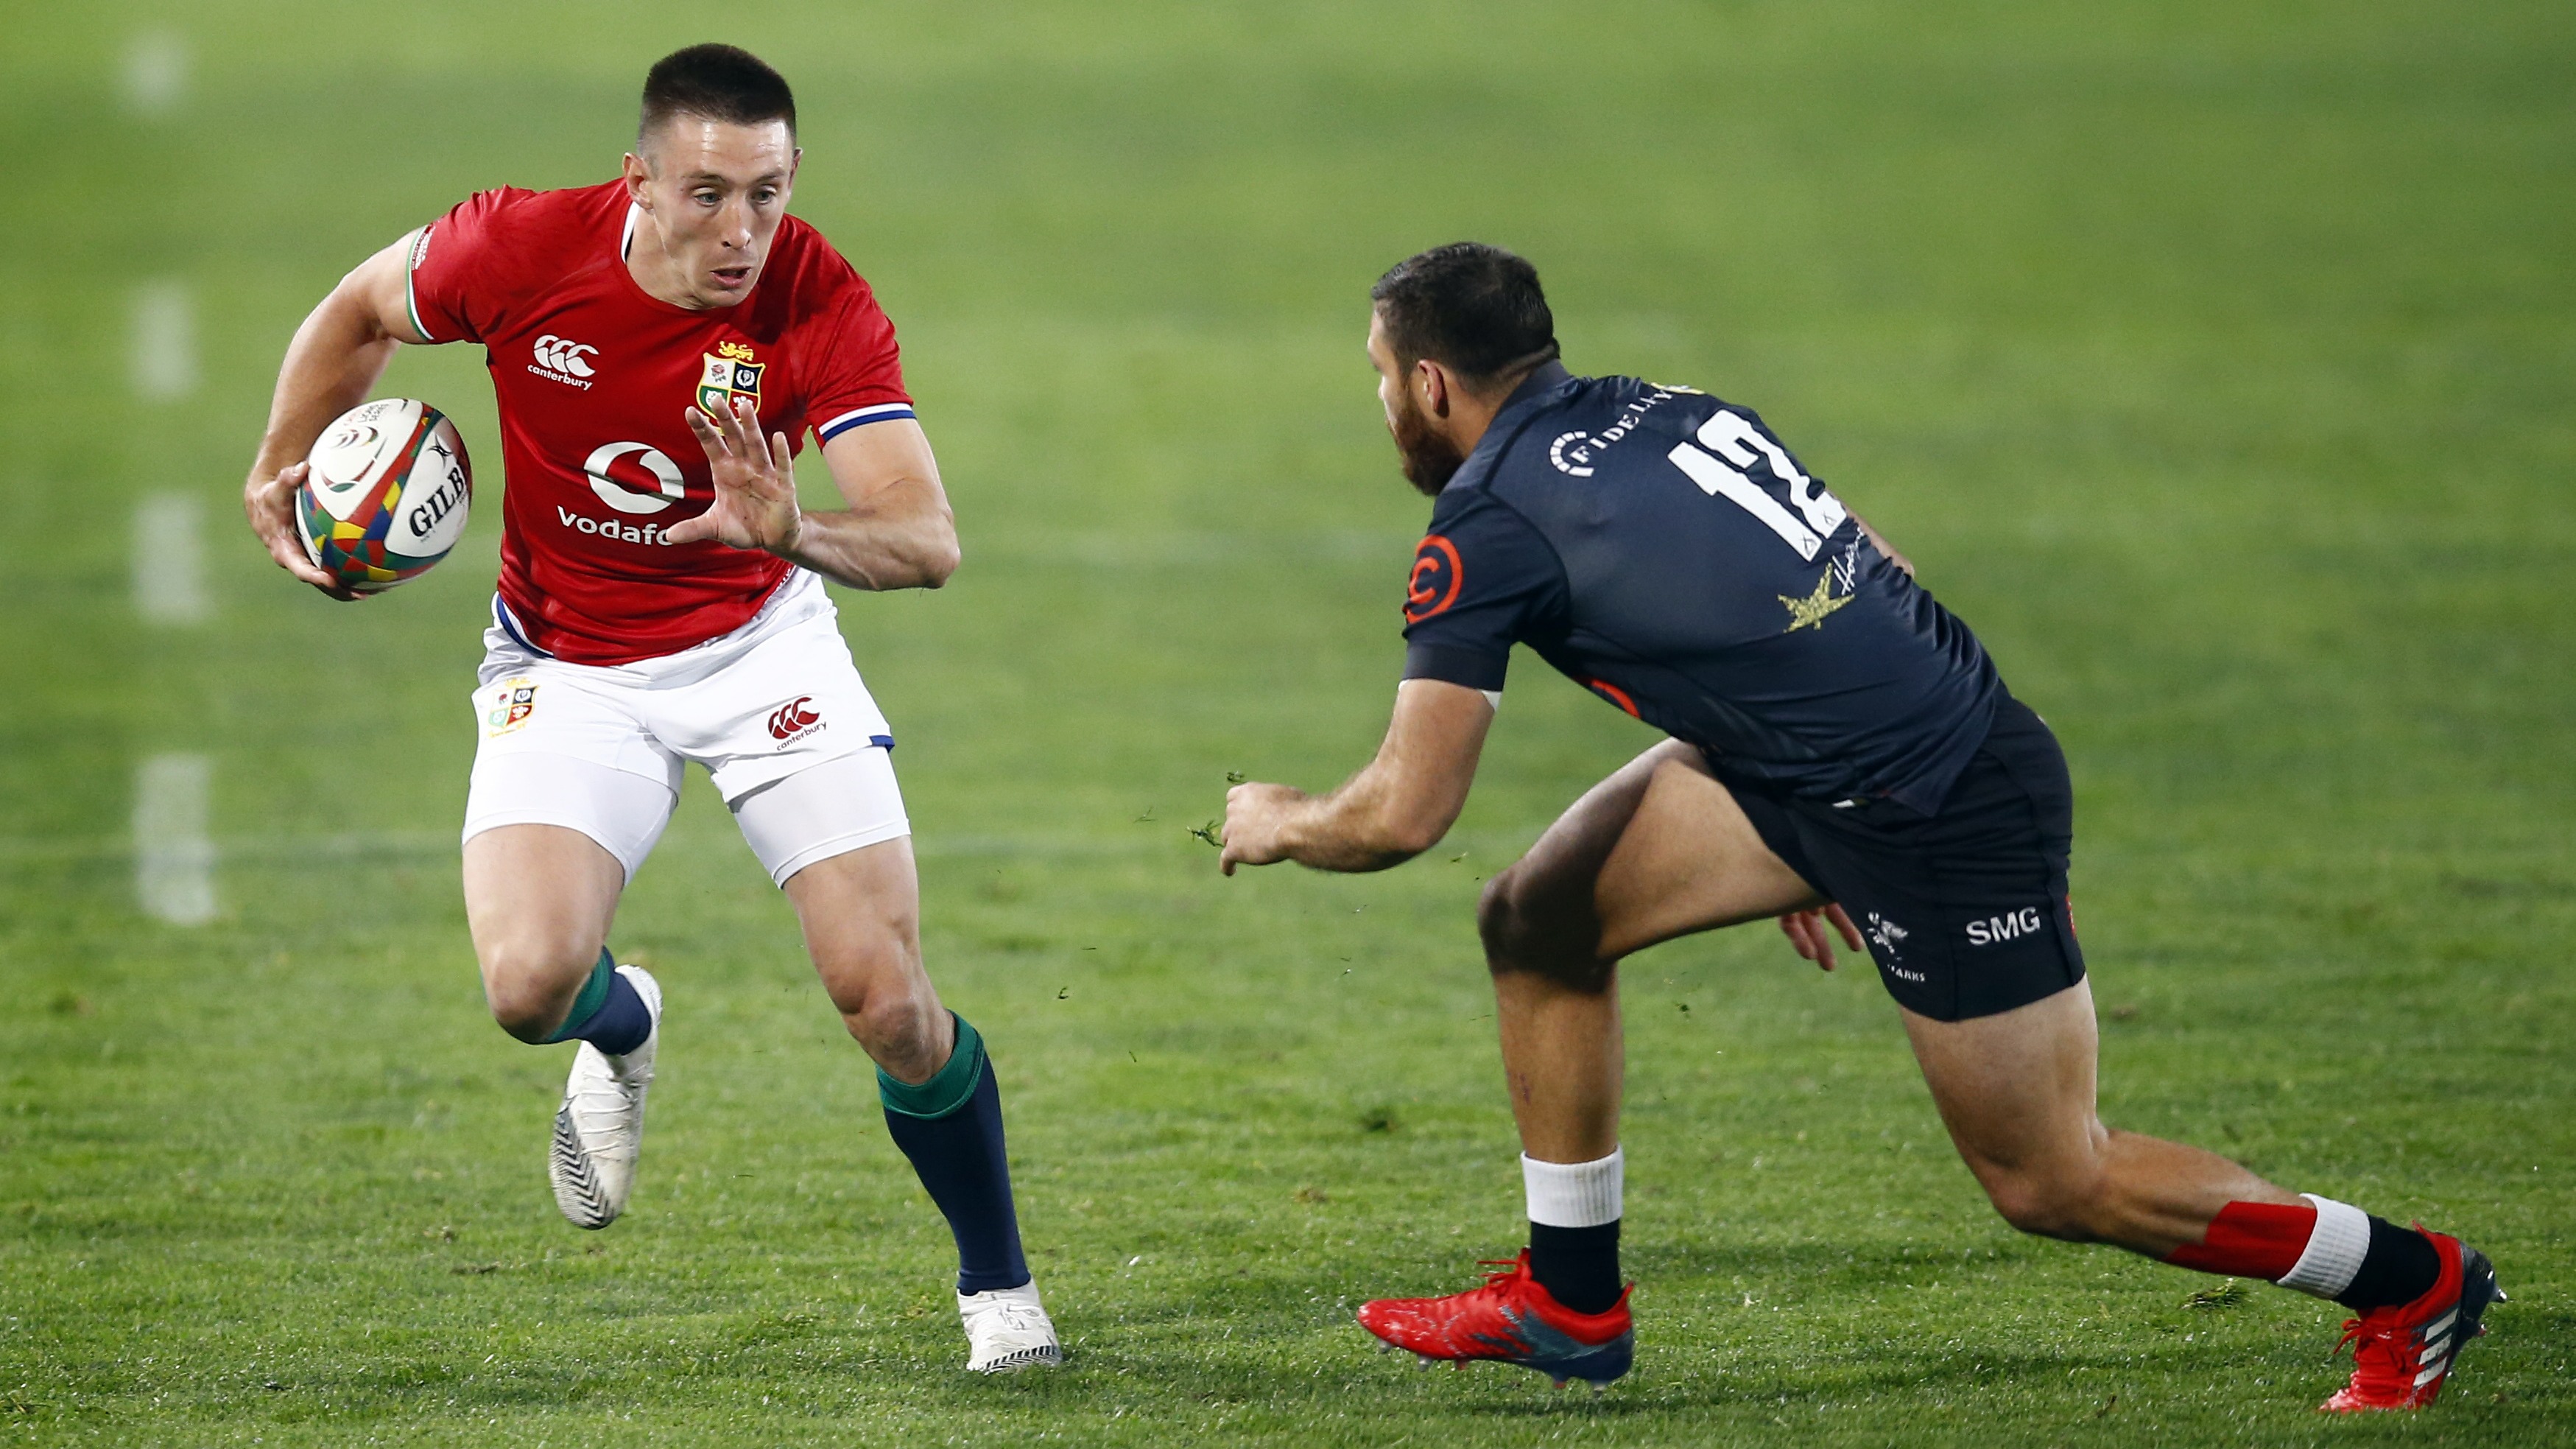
1965, 910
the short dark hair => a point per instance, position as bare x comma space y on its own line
717, 83
1475, 309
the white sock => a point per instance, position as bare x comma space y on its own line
2334, 1252
1577, 1194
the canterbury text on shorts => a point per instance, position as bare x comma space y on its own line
1964, 910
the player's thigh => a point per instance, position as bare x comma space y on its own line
539, 896
1659, 849
835, 837
539, 900
568, 796
2015, 1089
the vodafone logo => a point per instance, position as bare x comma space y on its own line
795, 719
634, 477
562, 355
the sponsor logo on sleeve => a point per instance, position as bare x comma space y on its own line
1437, 576
560, 359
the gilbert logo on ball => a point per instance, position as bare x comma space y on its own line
387, 496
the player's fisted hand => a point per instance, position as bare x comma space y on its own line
1807, 934
270, 505
1253, 815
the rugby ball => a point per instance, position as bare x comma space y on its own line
387, 494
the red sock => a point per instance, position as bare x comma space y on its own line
2251, 1240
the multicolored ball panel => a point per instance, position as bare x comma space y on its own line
360, 518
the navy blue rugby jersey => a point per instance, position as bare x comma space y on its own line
1661, 548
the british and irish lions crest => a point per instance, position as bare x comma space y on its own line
730, 373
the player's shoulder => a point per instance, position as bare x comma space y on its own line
1585, 425
528, 217
818, 277
517, 238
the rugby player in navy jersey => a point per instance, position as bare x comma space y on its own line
1843, 758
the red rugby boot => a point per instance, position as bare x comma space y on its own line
1512, 1319
2402, 1354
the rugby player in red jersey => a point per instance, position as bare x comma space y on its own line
1841, 746
659, 347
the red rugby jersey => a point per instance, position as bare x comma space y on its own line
593, 375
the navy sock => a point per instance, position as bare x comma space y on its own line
2399, 1266
609, 1013
1579, 1267
959, 1156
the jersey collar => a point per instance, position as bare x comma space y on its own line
1535, 392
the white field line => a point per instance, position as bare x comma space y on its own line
156, 73
169, 559
249, 851
165, 341
174, 861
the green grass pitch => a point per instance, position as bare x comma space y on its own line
2208, 358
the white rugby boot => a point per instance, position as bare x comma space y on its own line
600, 1126
1007, 1330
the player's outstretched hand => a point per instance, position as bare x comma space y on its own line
755, 480
1254, 815
270, 504
1806, 932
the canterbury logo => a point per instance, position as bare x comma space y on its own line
793, 717
564, 355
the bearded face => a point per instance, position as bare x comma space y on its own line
1429, 459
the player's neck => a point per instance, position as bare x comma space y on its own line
1471, 415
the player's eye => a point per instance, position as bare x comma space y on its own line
708, 198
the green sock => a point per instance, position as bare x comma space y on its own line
594, 995
948, 1089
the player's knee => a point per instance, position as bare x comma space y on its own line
896, 1024
1522, 934
884, 999
1502, 920
2047, 1204
529, 988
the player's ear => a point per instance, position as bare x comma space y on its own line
1435, 387
638, 176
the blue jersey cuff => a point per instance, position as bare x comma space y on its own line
1474, 668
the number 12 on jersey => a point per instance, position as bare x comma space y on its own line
1739, 443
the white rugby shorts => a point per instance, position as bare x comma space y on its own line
775, 712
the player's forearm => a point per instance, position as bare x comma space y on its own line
330, 367
912, 545
1363, 826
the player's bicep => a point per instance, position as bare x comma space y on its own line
379, 289
872, 463
1481, 582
